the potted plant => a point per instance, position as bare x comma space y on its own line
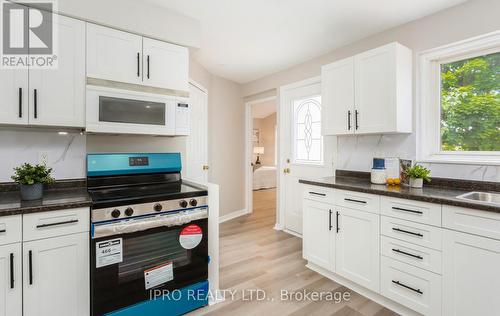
31, 179
417, 175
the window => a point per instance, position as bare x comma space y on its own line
459, 110
308, 142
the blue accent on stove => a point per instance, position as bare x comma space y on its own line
177, 303
136, 163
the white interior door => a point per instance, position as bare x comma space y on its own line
197, 141
304, 153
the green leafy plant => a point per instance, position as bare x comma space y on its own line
31, 174
418, 172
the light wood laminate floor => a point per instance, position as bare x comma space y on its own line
254, 256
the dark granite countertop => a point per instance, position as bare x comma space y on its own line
433, 194
53, 199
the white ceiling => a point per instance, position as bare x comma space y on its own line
244, 40
263, 109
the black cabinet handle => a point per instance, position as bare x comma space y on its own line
406, 210
20, 102
30, 268
329, 219
349, 120
56, 224
148, 65
3, 230
337, 221
407, 287
316, 193
356, 201
138, 65
407, 253
11, 270
407, 232
35, 95
356, 118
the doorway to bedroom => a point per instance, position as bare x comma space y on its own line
262, 155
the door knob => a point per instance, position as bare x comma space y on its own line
205, 167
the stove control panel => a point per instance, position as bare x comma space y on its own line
130, 211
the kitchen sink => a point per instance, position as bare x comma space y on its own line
481, 197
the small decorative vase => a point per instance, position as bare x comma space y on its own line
31, 192
417, 183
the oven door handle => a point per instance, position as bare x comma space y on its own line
141, 224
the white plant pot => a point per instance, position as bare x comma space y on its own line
417, 183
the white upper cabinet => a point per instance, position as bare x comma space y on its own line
165, 65
113, 55
14, 93
338, 97
57, 96
369, 93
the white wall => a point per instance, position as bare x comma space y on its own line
457, 23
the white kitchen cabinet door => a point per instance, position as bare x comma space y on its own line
56, 276
11, 294
317, 234
165, 65
383, 99
337, 86
14, 93
197, 141
113, 55
57, 96
470, 274
357, 247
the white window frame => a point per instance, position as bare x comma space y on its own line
429, 100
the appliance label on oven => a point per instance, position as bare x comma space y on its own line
108, 252
158, 275
190, 236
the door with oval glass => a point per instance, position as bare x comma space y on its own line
304, 152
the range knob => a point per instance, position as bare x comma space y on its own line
129, 211
183, 203
115, 213
158, 207
193, 202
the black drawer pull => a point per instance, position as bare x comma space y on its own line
11, 270
30, 263
406, 210
35, 101
357, 113
138, 65
3, 230
407, 253
337, 222
349, 120
56, 224
356, 201
148, 66
407, 287
407, 232
316, 193
330, 220
20, 102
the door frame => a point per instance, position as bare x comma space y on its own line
280, 214
249, 150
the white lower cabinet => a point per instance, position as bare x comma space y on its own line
56, 276
471, 280
11, 295
317, 234
357, 247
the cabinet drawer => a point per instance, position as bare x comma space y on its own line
415, 233
476, 222
358, 201
412, 287
55, 223
319, 194
11, 229
418, 256
416, 211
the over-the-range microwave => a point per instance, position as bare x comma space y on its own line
117, 111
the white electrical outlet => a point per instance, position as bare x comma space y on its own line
43, 157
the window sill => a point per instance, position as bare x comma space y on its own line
463, 159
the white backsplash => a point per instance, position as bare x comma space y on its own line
66, 153
356, 153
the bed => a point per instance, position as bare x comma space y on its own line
264, 178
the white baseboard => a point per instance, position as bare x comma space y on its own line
232, 215
278, 227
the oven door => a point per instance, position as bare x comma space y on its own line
129, 112
160, 258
